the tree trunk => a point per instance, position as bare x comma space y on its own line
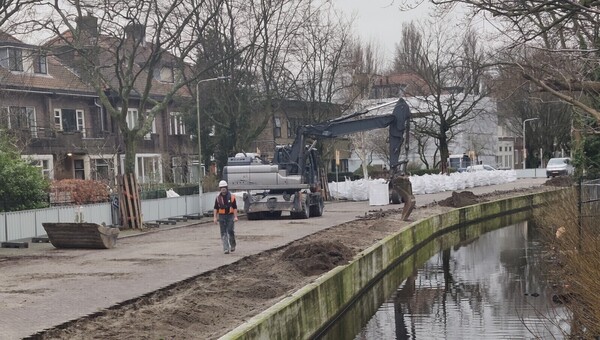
444, 154
130, 141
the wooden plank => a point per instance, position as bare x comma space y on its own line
137, 202
123, 202
130, 216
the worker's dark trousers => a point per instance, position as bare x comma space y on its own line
227, 233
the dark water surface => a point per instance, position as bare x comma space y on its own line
462, 286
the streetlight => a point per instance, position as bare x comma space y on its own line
525, 149
200, 174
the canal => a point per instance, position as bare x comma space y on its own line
461, 285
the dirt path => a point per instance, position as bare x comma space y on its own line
215, 302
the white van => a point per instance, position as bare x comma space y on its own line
559, 167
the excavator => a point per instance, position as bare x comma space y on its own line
291, 181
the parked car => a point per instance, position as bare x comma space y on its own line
480, 167
559, 167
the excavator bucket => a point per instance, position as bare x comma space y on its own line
401, 191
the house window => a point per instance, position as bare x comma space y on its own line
341, 168
148, 136
290, 129
19, 117
15, 59
167, 74
69, 120
41, 64
176, 125
277, 127
179, 170
44, 162
79, 169
101, 169
148, 168
133, 122
132, 119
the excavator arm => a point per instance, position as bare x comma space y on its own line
398, 123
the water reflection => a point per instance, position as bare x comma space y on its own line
493, 286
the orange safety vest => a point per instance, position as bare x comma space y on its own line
225, 207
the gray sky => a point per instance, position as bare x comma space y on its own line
379, 21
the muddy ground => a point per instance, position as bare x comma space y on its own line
216, 302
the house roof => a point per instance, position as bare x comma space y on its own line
412, 83
8, 40
111, 49
59, 79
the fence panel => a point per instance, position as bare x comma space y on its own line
45, 215
3, 228
21, 224
150, 210
28, 223
208, 202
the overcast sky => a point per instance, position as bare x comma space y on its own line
380, 21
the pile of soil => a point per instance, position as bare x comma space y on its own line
560, 181
461, 199
317, 257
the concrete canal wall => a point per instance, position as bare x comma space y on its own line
304, 312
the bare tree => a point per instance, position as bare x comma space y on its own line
363, 66
136, 55
318, 67
519, 99
11, 11
567, 30
450, 73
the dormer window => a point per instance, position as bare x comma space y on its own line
40, 64
167, 74
15, 59
20, 60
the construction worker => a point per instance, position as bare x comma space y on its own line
225, 214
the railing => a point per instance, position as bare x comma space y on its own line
28, 223
589, 203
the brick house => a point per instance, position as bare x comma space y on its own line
62, 128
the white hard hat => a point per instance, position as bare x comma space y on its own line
222, 184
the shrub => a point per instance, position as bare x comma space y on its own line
22, 185
79, 191
331, 177
421, 172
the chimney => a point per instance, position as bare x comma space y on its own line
87, 26
136, 32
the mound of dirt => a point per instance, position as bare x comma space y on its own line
560, 181
460, 199
317, 257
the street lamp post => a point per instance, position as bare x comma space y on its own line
200, 173
524, 148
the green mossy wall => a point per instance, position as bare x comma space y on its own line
303, 313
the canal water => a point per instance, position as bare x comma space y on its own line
467, 284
